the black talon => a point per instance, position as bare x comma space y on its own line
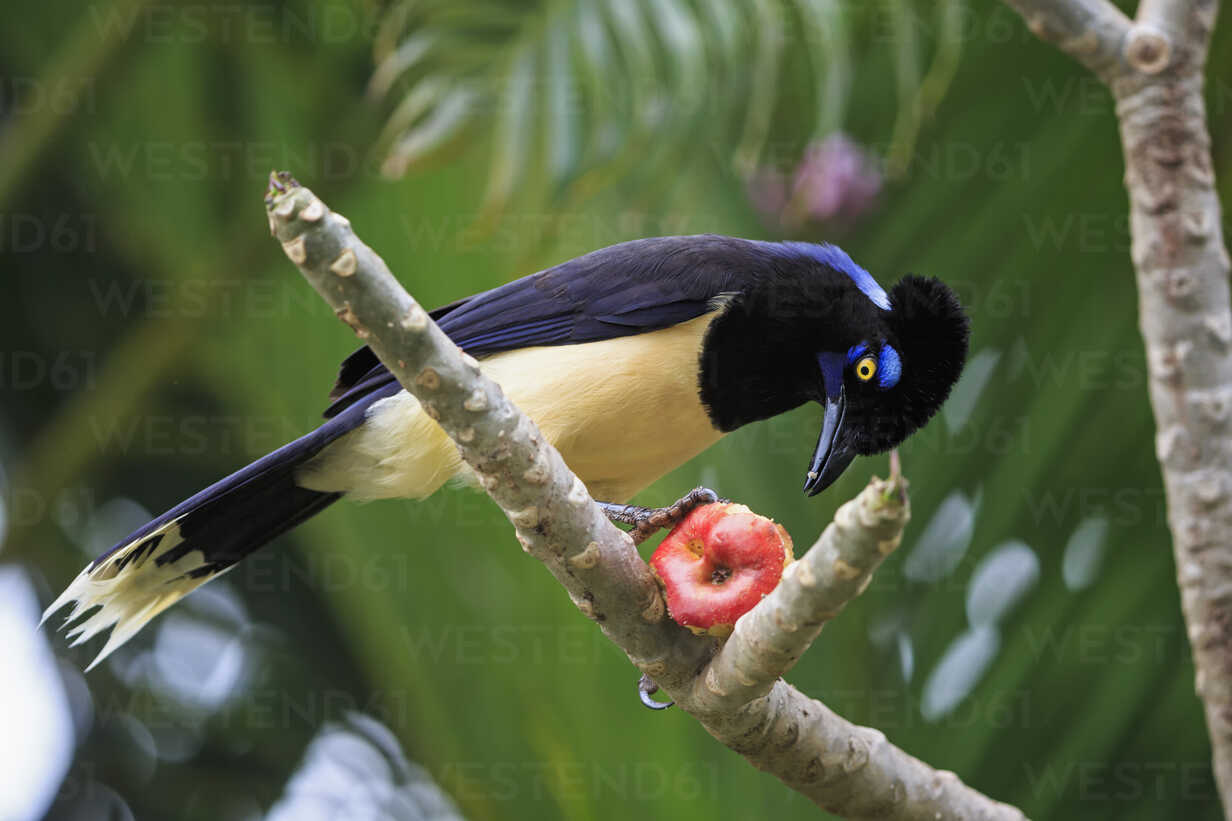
624, 514
645, 689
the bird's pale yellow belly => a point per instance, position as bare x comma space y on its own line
622, 412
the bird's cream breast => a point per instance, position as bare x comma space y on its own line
622, 412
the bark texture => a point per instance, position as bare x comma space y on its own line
1154, 67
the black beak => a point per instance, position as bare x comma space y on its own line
832, 455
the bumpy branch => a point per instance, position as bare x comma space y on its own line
1186, 320
771, 637
848, 769
739, 698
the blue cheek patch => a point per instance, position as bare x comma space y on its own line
889, 367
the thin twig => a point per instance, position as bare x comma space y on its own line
1091, 31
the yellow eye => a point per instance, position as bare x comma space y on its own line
865, 368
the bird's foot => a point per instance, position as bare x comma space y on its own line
645, 689
646, 521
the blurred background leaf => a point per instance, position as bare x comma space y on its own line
153, 338
579, 94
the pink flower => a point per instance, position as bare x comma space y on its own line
836, 182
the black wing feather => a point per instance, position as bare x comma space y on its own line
625, 289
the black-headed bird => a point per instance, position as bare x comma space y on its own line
631, 359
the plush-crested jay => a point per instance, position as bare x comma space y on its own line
631, 359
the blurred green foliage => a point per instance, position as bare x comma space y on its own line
134, 145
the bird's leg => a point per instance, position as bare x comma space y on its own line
646, 521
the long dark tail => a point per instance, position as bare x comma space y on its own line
198, 539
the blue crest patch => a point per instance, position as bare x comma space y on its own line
837, 259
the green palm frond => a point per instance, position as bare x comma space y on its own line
578, 92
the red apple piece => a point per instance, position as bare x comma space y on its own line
719, 562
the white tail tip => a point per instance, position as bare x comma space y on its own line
129, 587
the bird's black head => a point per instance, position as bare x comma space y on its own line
814, 326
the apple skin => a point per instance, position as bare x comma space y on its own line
717, 563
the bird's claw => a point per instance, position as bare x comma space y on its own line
646, 521
645, 689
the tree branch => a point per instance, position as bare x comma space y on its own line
1186, 320
1179, 21
842, 767
845, 769
1091, 31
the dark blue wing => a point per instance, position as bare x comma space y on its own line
625, 289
